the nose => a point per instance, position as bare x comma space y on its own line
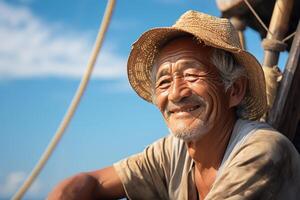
178, 90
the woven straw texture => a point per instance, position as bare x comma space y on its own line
212, 31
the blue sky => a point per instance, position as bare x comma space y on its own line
44, 49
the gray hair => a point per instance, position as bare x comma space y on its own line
230, 70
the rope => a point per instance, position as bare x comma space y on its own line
264, 26
288, 37
272, 76
240, 26
73, 106
273, 45
257, 17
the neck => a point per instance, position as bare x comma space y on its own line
208, 151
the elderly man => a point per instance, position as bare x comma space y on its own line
209, 92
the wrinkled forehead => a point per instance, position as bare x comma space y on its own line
182, 47
184, 42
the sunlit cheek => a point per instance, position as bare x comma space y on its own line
161, 102
209, 91
216, 94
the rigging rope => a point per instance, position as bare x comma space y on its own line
262, 23
257, 16
273, 44
288, 37
73, 105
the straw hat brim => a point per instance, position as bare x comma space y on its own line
144, 50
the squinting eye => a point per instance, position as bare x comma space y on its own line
163, 83
191, 77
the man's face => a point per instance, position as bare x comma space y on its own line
188, 89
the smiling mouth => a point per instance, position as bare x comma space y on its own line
184, 109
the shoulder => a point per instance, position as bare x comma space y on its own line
158, 153
266, 145
265, 165
262, 134
147, 175
267, 139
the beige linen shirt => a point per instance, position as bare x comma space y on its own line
259, 163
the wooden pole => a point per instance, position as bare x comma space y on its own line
242, 39
285, 114
273, 45
277, 29
240, 26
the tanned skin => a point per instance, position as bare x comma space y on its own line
100, 184
192, 98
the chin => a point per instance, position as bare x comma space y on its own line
189, 134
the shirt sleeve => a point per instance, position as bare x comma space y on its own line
145, 175
265, 167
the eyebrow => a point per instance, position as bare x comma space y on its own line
163, 72
180, 65
189, 63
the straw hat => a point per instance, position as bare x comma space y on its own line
212, 31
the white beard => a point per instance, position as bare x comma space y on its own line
189, 134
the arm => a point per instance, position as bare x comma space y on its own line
143, 176
100, 184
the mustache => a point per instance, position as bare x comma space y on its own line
187, 101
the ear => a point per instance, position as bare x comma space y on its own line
237, 91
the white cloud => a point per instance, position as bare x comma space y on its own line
14, 180
31, 47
